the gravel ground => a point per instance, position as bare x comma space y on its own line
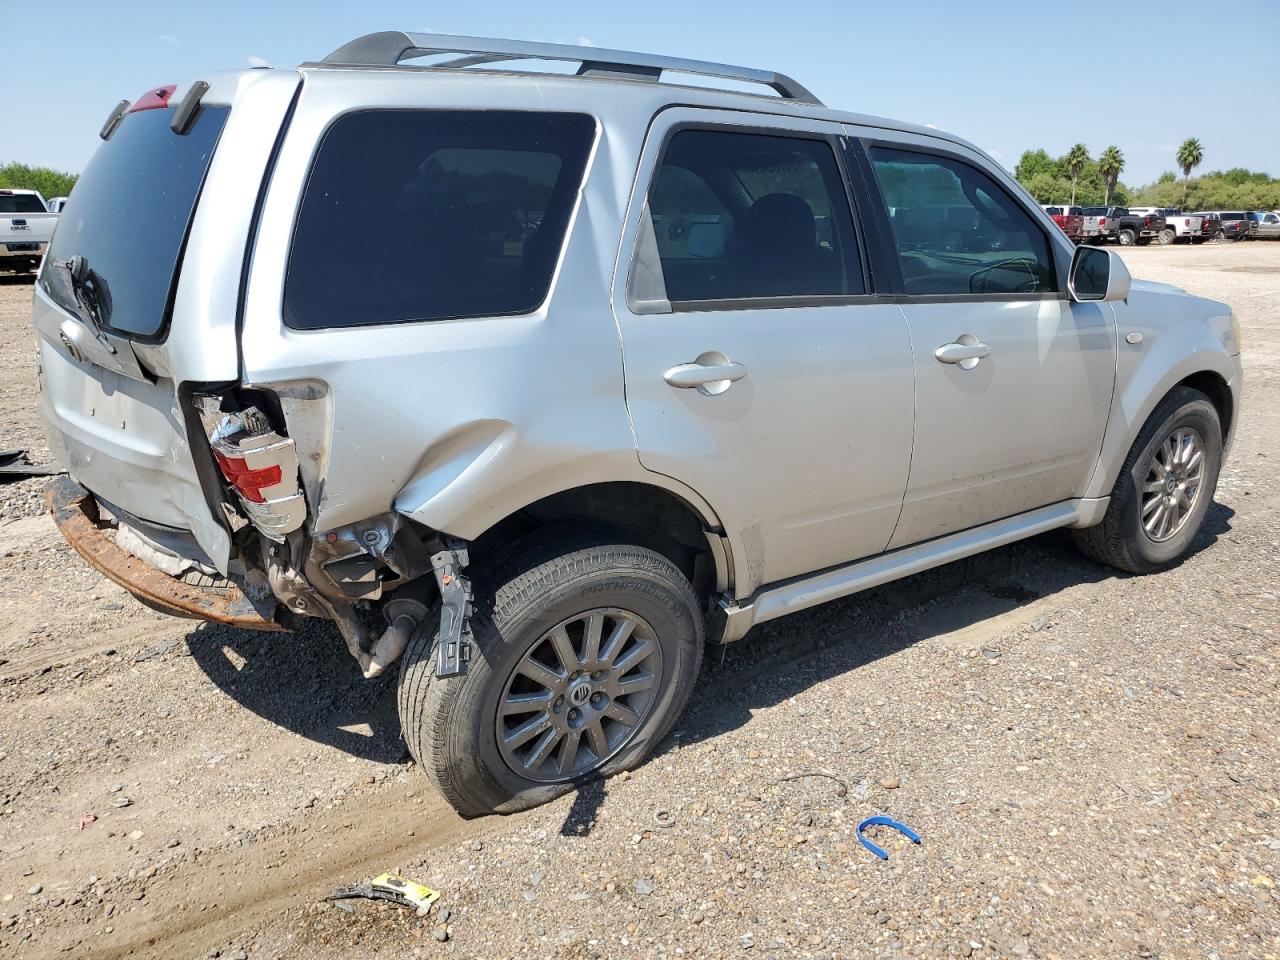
1091, 759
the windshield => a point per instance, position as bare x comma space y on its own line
20, 203
129, 222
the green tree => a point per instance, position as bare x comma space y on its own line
1190, 155
51, 183
1075, 161
1036, 163
1110, 163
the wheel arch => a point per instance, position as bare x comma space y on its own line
671, 521
1206, 367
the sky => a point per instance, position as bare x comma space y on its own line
1007, 76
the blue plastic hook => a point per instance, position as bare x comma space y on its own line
883, 821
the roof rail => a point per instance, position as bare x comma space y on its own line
393, 46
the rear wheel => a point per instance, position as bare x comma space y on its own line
586, 657
1164, 490
1166, 236
1126, 237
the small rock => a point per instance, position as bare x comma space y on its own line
991, 653
477, 845
238, 955
121, 802
446, 914
441, 932
35, 890
891, 783
747, 940
643, 888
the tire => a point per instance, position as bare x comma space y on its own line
1166, 237
1126, 237
1121, 539
452, 725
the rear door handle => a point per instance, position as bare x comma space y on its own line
966, 351
711, 374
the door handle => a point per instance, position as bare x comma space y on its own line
966, 351
711, 374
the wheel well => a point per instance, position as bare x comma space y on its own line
645, 515
1216, 389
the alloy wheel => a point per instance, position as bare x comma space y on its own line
1172, 487
578, 695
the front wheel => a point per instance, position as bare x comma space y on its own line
586, 655
1164, 490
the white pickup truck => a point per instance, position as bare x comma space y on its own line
26, 226
1187, 228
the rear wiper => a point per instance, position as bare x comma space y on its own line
92, 294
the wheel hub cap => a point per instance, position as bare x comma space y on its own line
1172, 486
578, 695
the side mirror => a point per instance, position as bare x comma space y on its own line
1098, 274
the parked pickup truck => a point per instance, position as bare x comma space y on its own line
1069, 219
1130, 228
26, 225
1233, 224
1187, 227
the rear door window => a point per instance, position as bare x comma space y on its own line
956, 231
752, 217
433, 215
20, 203
129, 223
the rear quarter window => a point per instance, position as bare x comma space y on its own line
413, 215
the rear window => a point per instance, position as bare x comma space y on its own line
1231, 216
129, 222
20, 203
433, 215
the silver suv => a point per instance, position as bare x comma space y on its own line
536, 382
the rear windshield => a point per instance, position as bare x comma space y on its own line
133, 204
20, 203
1231, 216
431, 215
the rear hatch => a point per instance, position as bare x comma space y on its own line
136, 304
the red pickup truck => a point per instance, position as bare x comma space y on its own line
1072, 224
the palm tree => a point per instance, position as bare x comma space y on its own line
1189, 156
1075, 160
1110, 163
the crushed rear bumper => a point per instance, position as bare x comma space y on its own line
76, 513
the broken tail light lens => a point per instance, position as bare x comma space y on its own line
259, 463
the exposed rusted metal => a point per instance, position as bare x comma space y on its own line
76, 514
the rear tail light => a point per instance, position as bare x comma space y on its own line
1102, 221
260, 464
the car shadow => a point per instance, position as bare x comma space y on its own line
307, 683
17, 279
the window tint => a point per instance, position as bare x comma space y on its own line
20, 203
740, 216
129, 223
429, 215
956, 231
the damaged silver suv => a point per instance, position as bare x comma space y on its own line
535, 381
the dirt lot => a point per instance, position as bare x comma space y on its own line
1092, 760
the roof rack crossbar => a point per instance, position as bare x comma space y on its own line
392, 47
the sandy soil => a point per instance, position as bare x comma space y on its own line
1091, 759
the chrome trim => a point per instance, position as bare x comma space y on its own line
803, 593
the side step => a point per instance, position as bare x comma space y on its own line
792, 596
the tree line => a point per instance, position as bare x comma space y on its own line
50, 183
1077, 178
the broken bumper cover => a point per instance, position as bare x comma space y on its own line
76, 513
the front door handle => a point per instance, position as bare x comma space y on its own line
712, 373
966, 351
